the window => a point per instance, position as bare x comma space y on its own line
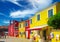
30, 21
15, 27
38, 17
50, 13
20, 25
26, 24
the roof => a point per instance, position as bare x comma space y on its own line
3, 27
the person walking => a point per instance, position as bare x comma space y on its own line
5, 35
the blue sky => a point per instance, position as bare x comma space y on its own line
21, 9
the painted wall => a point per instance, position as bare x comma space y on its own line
16, 23
41, 23
13, 29
26, 29
55, 33
43, 17
58, 7
43, 20
22, 29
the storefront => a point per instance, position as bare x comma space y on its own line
3, 31
38, 34
55, 35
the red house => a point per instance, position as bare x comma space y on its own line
13, 29
26, 29
16, 23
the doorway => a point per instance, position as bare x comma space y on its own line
44, 34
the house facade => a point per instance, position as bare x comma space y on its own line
22, 29
36, 27
13, 29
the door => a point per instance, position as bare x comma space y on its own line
44, 34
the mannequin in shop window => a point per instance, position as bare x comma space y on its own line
51, 36
36, 37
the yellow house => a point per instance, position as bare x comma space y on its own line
38, 23
22, 29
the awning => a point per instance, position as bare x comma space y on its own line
37, 28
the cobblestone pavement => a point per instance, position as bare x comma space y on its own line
14, 39
11, 39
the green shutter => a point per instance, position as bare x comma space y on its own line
50, 13
38, 17
30, 21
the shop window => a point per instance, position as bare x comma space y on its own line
38, 17
50, 13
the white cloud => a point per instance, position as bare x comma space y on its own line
22, 14
36, 5
6, 21
14, 2
40, 3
